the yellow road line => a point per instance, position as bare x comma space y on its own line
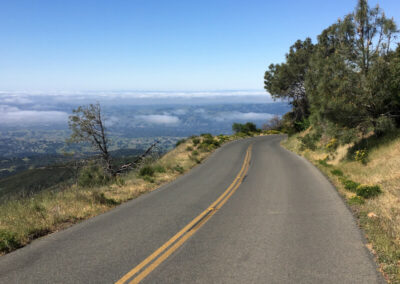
188, 230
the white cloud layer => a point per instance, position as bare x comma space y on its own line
248, 116
10, 115
159, 119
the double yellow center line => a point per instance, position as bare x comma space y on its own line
157, 257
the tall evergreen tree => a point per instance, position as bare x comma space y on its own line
348, 67
287, 80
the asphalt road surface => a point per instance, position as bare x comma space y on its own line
257, 214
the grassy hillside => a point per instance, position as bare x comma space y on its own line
32, 181
374, 161
24, 219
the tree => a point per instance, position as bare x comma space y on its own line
87, 125
287, 80
350, 63
244, 128
275, 123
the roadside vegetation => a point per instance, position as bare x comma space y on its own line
370, 187
345, 118
95, 191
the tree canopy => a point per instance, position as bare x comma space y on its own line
244, 128
349, 78
287, 80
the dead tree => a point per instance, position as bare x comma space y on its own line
87, 125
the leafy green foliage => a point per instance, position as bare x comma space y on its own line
361, 156
206, 135
222, 138
159, 169
324, 163
309, 141
147, 171
368, 191
348, 70
8, 241
245, 128
349, 79
350, 185
337, 172
195, 141
92, 175
179, 169
287, 80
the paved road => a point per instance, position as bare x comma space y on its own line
284, 224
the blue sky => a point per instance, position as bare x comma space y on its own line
155, 45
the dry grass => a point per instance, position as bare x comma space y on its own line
379, 216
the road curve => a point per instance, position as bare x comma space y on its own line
285, 223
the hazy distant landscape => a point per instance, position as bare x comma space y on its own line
34, 127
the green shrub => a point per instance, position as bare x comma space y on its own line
222, 138
368, 191
308, 141
361, 156
8, 241
384, 125
324, 163
347, 136
179, 169
356, 200
302, 125
195, 153
203, 147
159, 169
147, 171
195, 141
93, 175
337, 172
149, 179
245, 128
179, 142
350, 185
208, 141
207, 136
189, 148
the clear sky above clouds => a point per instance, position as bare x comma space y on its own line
155, 45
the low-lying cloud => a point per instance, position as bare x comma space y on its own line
242, 116
10, 115
159, 119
